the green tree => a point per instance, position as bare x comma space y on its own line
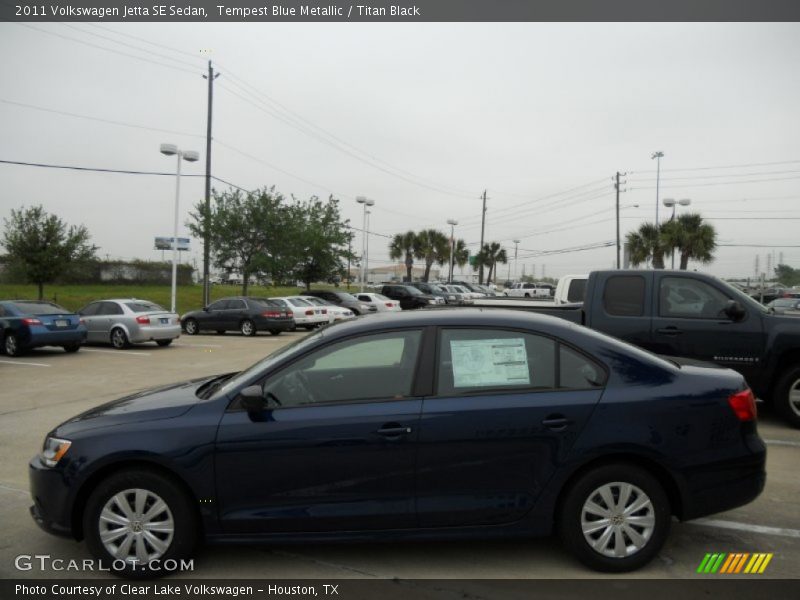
647, 244
403, 245
44, 246
691, 237
432, 246
491, 254
320, 241
246, 231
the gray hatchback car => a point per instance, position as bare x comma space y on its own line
127, 321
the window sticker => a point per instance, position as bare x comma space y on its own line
483, 363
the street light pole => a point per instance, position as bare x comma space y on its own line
670, 202
658, 156
189, 156
363, 200
516, 248
452, 223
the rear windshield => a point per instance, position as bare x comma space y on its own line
266, 303
39, 308
140, 307
299, 302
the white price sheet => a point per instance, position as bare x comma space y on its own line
484, 363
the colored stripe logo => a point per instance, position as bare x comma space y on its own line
735, 563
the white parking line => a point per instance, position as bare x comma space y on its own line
720, 524
26, 364
117, 352
199, 345
782, 443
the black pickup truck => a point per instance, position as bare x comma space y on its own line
695, 316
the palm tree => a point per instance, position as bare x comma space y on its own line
403, 246
697, 240
431, 246
492, 254
647, 243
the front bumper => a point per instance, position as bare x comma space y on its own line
50, 494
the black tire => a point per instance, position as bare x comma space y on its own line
275, 331
247, 327
309, 327
220, 332
191, 327
586, 488
179, 507
119, 339
70, 348
786, 399
11, 345
163, 343
527, 295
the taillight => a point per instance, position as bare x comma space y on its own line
290, 314
143, 320
389, 305
81, 321
310, 313
743, 405
29, 321
271, 314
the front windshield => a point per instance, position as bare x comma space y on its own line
240, 378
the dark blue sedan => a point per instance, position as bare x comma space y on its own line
422, 425
26, 324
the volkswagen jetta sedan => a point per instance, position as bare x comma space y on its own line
419, 425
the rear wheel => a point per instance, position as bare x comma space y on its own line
191, 327
11, 345
137, 516
119, 339
786, 400
615, 518
72, 348
163, 343
247, 327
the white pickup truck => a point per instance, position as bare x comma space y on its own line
526, 290
570, 290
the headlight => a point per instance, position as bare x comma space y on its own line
431, 301
53, 450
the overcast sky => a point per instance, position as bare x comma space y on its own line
421, 118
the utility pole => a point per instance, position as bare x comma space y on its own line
658, 156
619, 247
483, 226
207, 221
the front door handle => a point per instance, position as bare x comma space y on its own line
393, 430
669, 331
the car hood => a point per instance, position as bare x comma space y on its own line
165, 402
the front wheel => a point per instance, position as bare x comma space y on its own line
191, 327
615, 518
786, 399
137, 516
119, 339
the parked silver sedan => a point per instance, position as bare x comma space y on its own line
127, 321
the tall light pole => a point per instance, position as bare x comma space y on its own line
516, 248
452, 223
189, 156
363, 200
658, 156
670, 202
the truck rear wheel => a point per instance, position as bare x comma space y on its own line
786, 400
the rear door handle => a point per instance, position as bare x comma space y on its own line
556, 422
669, 331
393, 430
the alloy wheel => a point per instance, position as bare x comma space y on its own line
118, 339
618, 519
794, 397
11, 345
136, 526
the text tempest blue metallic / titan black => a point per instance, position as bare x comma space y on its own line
419, 425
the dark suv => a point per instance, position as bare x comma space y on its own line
439, 292
342, 299
409, 297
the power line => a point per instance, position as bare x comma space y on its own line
692, 177
93, 169
766, 164
141, 39
718, 183
98, 119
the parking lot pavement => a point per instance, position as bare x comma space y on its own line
48, 386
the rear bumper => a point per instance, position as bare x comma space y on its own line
265, 324
721, 486
54, 338
165, 332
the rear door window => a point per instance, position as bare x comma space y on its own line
110, 309
577, 290
624, 296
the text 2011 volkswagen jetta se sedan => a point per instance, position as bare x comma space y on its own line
421, 425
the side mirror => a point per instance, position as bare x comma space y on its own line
252, 398
205, 309
734, 310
